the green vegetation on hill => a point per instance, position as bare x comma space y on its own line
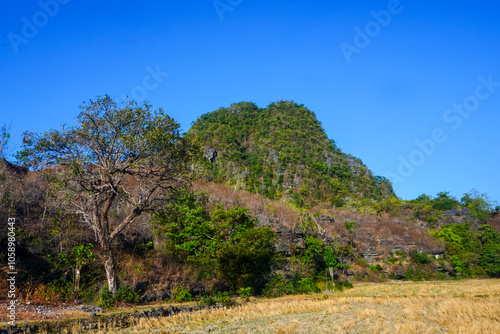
283, 151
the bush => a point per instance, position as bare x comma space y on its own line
225, 298
105, 299
207, 300
343, 284
181, 294
401, 254
307, 286
278, 286
245, 293
376, 268
126, 295
362, 262
490, 259
420, 258
246, 261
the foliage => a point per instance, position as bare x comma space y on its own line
479, 205
192, 231
207, 299
181, 294
341, 285
457, 263
459, 238
444, 201
105, 299
350, 226
420, 258
75, 259
245, 293
217, 241
490, 259
282, 151
306, 286
126, 294
313, 253
225, 298
472, 253
246, 259
487, 234
278, 286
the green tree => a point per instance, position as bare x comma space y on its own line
245, 261
332, 263
443, 201
487, 234
75, 259
113, 166
219, 240
490, 259
479, 205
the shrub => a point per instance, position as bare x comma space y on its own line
208, 300
343, 284
245, 293
392, 259
105, 299
376, 268
490, 259
278, 286
225, 298
362, 262
409, 273
457, 263
401, 254
307, 286
420, 258
246, 260
181, 294
126, 295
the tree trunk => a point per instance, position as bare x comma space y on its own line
330, 269
109, 266
76, 279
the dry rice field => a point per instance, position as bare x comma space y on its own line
466, 306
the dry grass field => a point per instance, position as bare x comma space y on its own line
466, 306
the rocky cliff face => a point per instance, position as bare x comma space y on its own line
458, 216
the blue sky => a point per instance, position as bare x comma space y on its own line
412, 88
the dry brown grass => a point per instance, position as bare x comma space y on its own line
259, 205
495, 221
471, 306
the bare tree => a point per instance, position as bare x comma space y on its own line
115, 165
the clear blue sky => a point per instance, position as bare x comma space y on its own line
376, 86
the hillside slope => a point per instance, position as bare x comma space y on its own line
282, 151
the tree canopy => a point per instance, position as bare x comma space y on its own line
116, 159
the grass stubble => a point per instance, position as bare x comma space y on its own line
465, 306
